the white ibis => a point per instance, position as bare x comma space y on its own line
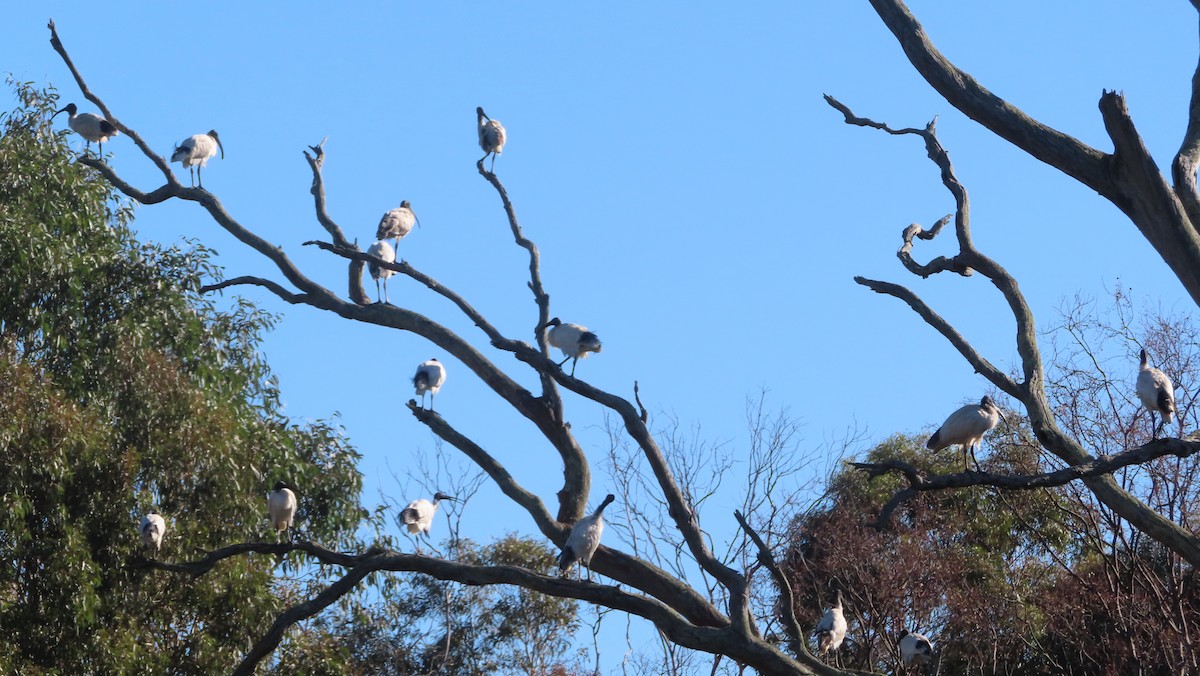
153, 528
831, 630
967, 426
196, 151
1156, 392
491, 136
383, 250
90, 126
397, 223
430, 377
281, 507
574, 340
914, 649
418, 516
584, 540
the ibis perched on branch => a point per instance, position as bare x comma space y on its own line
153, 528
1156, 392
281, 507
90, 126
381, 249
574, 340
196, 151
430, 377
831, 630
914, 649
584, 540
397, 223
418, 516
967, 426
491, 136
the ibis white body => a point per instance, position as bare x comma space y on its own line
966, 426
574, 340
196, 151
430, 377
396, 223
418, 516
382, 250
90, 126
831, 630
1156, 392
915, 649
492, 136
153, 528
584, 539
281, 507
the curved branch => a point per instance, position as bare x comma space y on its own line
269, 641
787, 601
245, 280
981, 365
316, 160
920, 482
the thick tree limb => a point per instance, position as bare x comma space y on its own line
920, 482
1162, 217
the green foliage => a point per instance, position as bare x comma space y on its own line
122, 389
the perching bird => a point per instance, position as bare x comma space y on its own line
574, 340
196, 151
491, 136
281, 507
397, 223
418, 516
914, 649
967, 426
381, 249
430, 377
584, 540
90, 126
831, 630
1156, 392
153, 528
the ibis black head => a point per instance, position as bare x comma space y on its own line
213, 134
903, 633
280, 485
154, 510
608, 499
987, 402
480, 113
405, 205
1145, 357
442, 496
69, 109
432, 359
554, 322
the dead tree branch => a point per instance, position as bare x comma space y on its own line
1031, 392
920, 482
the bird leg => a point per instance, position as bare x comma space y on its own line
386, 299
573, 366
1153, 427
377, 292
200, 175
567, 359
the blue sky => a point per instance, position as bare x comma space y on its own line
696, 202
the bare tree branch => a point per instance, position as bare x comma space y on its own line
316, 161
245, 280
787, 601
920, 482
